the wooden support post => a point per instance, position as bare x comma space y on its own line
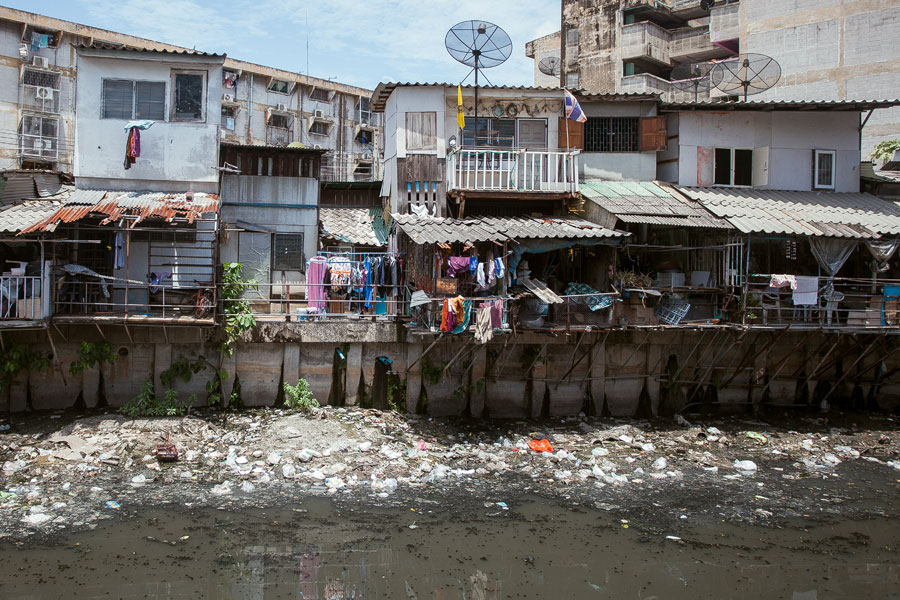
847, 372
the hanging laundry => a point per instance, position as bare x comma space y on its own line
315, 282
483, 330
230, 80
367, 265
457, 265
132, 147
120, 250
44, 41
142, 124
445, 315
35, 41
480, 277
473, 264
498, 268
497, 313
462, 323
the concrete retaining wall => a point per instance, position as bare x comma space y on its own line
621, 372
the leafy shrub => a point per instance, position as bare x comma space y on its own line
146, 404
299, 397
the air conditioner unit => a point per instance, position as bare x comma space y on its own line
43, 93
227, 97
317, 146
319, 113
40, 62
281, 107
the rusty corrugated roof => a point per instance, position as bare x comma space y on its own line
111, 206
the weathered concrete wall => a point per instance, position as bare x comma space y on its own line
620, 372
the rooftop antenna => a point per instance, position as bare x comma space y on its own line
692, 77
748, 73
550, 66
480, 45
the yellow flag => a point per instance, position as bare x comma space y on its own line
460, 117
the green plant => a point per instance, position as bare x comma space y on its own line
146, 404
746, 305
299, 397
91, 354
184, 368
396, 394
238, 315
885, 150
432, 374
19, 357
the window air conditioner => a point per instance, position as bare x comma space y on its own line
317, 146
281, 107
227, 97
40, 62
43, 93
319, 113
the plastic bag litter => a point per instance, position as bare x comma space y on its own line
540, 446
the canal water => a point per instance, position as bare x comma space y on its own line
429, 549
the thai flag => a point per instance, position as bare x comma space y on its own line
573, 109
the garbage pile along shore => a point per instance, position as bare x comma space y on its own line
71, 474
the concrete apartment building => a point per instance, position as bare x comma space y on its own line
827, 49
259, 105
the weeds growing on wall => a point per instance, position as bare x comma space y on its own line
15, 359
91, 354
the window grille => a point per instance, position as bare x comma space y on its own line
39, 137
611, 134
287, 252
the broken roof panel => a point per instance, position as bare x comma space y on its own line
433, 230
830, 214
352, 225
650, 203
111, 206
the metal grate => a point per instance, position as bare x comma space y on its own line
611, 134
287, 252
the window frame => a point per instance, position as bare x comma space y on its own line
287, 86
43, 153
327, 98
424, 147
816, 155
275, 265
203, 95
732, 166
316, 123
134, 100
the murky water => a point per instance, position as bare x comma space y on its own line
426, 550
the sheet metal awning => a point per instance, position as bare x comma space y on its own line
829, 214
649, 203
432, 230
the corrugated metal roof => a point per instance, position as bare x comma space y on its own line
110, 206
832, 214
124, 48
17, 217
384, 90
432, 230
832, 105
649, 202
352, 225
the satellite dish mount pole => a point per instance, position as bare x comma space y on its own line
475, 53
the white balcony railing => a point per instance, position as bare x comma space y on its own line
20, 298
513, 170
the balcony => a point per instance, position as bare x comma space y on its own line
279, 136
646, 41
512, 170
21, 299
695, 44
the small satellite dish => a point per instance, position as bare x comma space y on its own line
692, 77
747, 74
480, 45
549, 66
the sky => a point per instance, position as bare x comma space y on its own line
351, 41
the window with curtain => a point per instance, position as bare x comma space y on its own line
421, 131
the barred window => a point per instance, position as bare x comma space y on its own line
287, 252
611, 134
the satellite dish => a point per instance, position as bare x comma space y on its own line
549, 66
480, 45
747, 74
692, 77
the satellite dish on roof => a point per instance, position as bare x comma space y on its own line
480, 45
747, 74
549, 66
692, 77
